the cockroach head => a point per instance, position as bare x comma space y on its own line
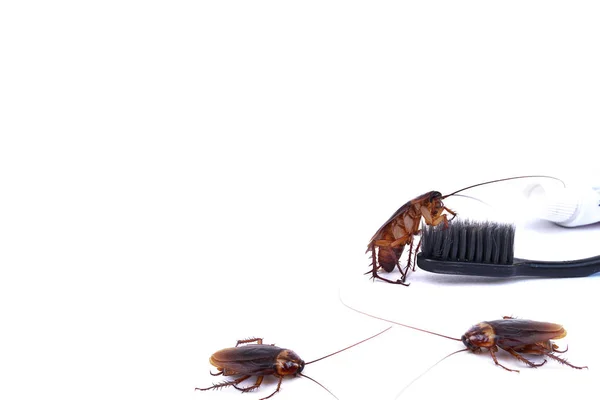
478, 336
434, 196
288, 363
435, 203
468, 344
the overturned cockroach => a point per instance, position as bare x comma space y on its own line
260, 360
401, 228
515, 336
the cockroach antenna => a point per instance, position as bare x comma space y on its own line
427, 370
502, 180
339, 351
398, 323
349, 347
328, 391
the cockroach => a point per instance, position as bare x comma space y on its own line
401, 228
260, 360
515, 336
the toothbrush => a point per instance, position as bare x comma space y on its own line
487, 249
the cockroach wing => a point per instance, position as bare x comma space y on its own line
401, 211
512, 333
254, 359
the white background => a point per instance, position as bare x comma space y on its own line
175, 176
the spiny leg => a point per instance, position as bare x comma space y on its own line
376, 268
276, 390
398, 281
257, 340
373, 261
563, 361
416, 251
402, 273
526, 361
408, 263
546, 349
493, 351
257, 384
227, 383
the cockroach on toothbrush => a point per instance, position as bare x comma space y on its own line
260, 360
388, 243
515, 336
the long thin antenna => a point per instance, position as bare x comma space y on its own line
427, 370
306, 376
346, 348
505, 179
473, 198
398, 323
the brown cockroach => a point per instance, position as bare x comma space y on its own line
260, 360
515, 336
401, 228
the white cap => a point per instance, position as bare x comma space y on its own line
566, 206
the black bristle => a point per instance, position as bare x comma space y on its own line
454, 234
471, 237
463, 240
486, 249
462, 244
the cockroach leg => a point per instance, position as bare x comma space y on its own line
226, 383
217, 374
541, 350
410, 260
256, 385
556, 350
252, 340
563, 361
526, 361
397, 281
373, 260
375, 269
493, 351
450, 212
276, 390
416, 252
402, 273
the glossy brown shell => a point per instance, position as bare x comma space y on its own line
253, 359
512, 333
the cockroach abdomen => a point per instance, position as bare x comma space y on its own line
388, 257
